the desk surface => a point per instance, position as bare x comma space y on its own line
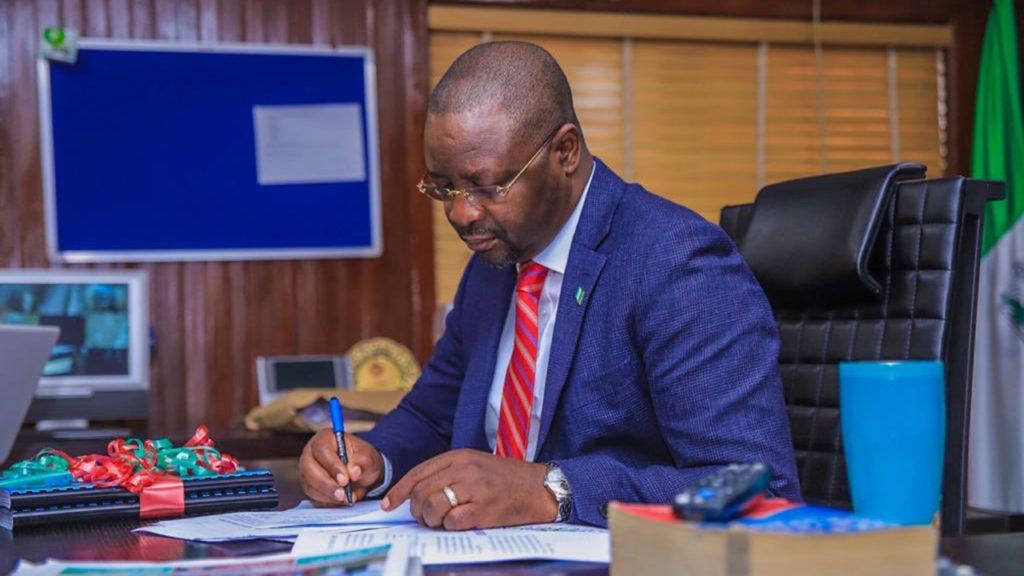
234, 441
993, 555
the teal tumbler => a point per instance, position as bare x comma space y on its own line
893, 417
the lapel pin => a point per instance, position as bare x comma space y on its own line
579, 295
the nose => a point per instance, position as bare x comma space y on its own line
461, 212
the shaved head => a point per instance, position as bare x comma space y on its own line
521, 79
501, 118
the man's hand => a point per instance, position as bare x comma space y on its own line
324, 477
491, 491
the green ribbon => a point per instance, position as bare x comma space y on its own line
184, 461
45, 462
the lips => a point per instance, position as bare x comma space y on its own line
480, 243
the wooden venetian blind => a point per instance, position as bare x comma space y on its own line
870, 107
450, 254
920, 76
694, 111
853, 130
706, 123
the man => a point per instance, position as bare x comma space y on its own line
604, 344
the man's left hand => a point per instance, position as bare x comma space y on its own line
491, 491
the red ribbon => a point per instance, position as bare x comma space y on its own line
225, 464
164, 497
136, 467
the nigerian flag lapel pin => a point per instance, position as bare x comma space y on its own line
579, 295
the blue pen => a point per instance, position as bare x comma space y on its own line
338, 423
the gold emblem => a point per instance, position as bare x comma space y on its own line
382, 364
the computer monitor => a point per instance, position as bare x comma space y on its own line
99, 369
279, 374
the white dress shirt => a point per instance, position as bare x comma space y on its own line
554, 257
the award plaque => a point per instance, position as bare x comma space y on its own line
381, 364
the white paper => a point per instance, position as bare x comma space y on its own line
396, 564
542, 542
280, 525
309, 143
366, 512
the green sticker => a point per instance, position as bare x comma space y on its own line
579, 295
54, 36
60, 44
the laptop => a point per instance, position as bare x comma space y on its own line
24, 351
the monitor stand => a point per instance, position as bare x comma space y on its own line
78, 429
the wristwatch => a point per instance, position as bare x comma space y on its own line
558, 485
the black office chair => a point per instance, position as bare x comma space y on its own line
871, 264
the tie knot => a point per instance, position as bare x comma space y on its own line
531, 278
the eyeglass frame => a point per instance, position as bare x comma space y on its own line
501, 191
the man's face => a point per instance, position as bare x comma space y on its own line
478, 149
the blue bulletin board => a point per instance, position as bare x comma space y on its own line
171, 152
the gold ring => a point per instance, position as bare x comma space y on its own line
450, 494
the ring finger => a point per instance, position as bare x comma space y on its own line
438, 505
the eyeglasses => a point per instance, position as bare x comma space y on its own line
477, 195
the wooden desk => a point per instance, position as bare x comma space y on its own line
993, 555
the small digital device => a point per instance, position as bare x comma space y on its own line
724, 493
279, 374
99, 367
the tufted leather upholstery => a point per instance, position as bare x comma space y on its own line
810, 240
925, 257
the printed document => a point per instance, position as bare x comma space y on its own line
536, 542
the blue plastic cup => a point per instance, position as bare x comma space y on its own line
893, 416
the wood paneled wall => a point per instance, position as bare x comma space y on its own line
212, 319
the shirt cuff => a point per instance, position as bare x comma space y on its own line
385, 480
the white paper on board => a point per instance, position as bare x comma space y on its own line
309, 143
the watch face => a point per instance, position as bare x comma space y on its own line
556, 482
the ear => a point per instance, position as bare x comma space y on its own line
567, 144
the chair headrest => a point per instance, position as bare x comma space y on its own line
810, 239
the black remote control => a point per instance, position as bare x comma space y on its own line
723, 494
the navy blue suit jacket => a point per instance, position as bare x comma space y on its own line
664, 371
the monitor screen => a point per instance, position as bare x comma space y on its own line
93, 322
304, 374
103, 319
279, 374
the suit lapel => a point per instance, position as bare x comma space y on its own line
488, 312
581, 274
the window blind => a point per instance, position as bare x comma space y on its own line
706, 123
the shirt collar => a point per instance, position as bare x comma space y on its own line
555, 257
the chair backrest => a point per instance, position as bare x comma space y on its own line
923, 252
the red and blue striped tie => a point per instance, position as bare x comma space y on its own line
517, 396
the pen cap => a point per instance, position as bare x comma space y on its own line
337, 420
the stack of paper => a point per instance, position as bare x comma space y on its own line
283, 525
365, 525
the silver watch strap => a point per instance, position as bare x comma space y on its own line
556, 482
385, 480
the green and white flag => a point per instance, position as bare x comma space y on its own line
996, 473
